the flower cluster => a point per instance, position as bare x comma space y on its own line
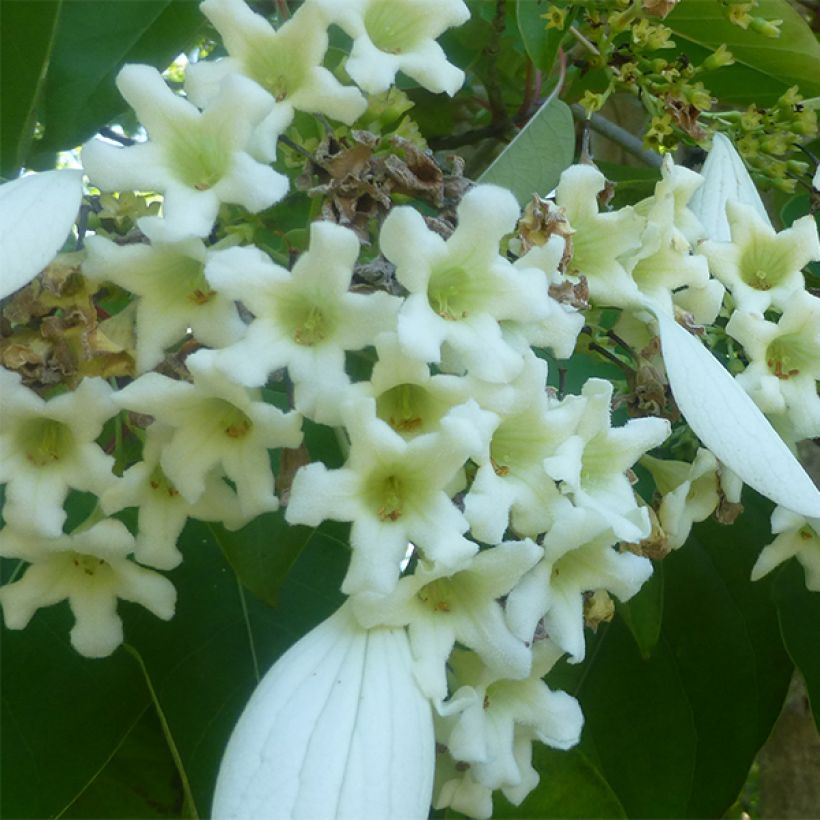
488, 510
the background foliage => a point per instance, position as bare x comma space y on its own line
679, 691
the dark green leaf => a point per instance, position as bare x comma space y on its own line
94, 39
799, 612
570, 787
643, 613
63, 716
25, 48
534, 160
140, 780
764, 67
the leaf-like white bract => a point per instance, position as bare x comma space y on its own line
730, 424
337, 729
36, 214
725, 178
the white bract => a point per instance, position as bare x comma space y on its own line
89, 569
47, 447
336, 730
36, 214
398, 35
197, 159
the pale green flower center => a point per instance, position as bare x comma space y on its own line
453, 293
788, 356
395, 26
515, 445
160, 483
761, 265
199, 160
276, 70
390, 489
183, 278
409, 408
229, 419
437, 596
305, 321
45, 441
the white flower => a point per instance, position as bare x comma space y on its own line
591, 464
394, 491
47, 447
163, 511
440, 610
197, 159
215, 422
485, 726
336, 730
511, 485
760, 267
797, 536
690, 493
91, 570
286, 62
36, 214
578, 558
462, 288
173, 294
600, 240
304, 320
784, 361
398, 35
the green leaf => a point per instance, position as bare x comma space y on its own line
532, 163
63, 716
643, 613
26, 41
140, 779
94, 39
764, 67
570, 787
542, 44
798, 611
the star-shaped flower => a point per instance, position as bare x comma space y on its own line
197, 159
762, 268
462, 288
174, 295
48, 447
398, 35
784, 361
440, 610
395, 492
91, 570
305, 320
797, 536
215, 422
286, 62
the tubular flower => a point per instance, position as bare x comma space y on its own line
197, 159
91, 570
286, 62
797, 536
336, 730
462, 288
398, 35
46, 447
215, 422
